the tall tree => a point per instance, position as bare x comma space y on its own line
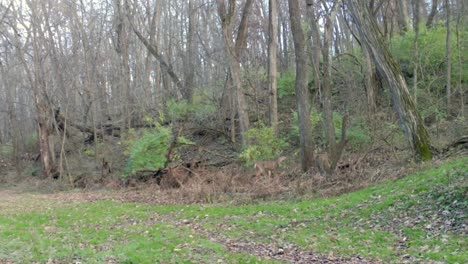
410, 120
190, 54
234, 53
272, 63
416, 16
37, 79
448, 44
302, 91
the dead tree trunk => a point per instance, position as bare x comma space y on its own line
410, 120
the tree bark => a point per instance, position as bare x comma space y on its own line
302, 92
410, 120
448, 44
430, 18
234, 53
187, 92
416, 14
327, 84
403, 17
371, 83
272, 65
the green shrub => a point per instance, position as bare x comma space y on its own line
149, 151
262, 144
358, 136
89, 152
286, 84
178, 110
32, 171
432, 57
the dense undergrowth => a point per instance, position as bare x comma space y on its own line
420, 218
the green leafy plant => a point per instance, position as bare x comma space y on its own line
32, 171
262, 144
358, 136
286, 84
178, 110
149, 151
89, 152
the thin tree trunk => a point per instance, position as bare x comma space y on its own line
416, 48
302, 92
449, 56
285, 46
461, 7
410, 120
327, 84
371, 86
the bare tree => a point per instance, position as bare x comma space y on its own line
234, 53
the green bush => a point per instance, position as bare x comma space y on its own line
149, 151
32, 171
89, 152
358, 136
432, 57
262, 144
286, 84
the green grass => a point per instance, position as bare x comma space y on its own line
404, 219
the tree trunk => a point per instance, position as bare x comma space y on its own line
449, 56
327, 85
410, 120
403, 18
461, 8
416, 14
234, 52
430, 18
189, 88
302, 92
371, 83
272, 65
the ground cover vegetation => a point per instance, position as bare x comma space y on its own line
421, 218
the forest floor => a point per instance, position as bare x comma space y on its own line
421, 218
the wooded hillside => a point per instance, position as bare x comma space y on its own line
117, 92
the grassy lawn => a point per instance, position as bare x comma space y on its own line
421, 218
